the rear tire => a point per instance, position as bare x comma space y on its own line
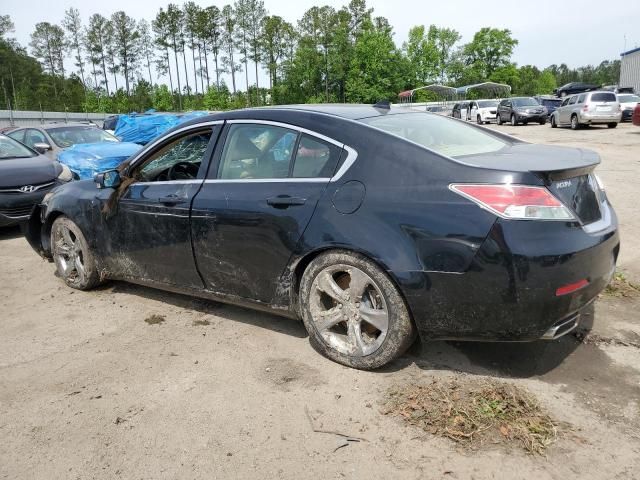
612, 125
575, 125
543, 122
354, 313
75, 263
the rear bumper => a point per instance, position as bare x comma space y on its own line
593, 118
509, 291
627, 115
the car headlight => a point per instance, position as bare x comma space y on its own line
65, 174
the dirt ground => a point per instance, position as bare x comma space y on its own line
88, 389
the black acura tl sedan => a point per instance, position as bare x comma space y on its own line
25, 177
370, 224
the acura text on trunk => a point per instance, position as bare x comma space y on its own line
370, 224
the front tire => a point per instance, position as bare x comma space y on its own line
75, 263
499, 120
553, 122
514, 122
353, 312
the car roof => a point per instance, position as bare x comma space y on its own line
47, 126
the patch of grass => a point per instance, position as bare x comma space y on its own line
201, 323
155, 319
620, 286
475, 414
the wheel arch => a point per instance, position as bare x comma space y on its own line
300, 266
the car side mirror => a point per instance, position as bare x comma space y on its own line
42, 147
108, 179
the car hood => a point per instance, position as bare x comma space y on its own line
533, 158
87, 159
27, 171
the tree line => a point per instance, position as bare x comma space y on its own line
191, 57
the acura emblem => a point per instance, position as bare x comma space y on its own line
28, 189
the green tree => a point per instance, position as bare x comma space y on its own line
490, 49
546, 82
273, 44
73, 26
146, 49
192, 14
162, 99
6, 25
422, 53
212, 29
127, 46
47, 45
377, 68
228, 42
162, 41
96, 37
257, 14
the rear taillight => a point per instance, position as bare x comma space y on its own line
585, 108
517, 202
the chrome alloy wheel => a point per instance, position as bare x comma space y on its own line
348, 310
68, 254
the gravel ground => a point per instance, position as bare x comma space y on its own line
88, 389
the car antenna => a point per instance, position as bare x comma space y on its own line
383, 104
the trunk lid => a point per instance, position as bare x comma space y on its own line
567, 173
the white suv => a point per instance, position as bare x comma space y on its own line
483, 111
589, 108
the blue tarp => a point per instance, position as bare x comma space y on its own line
144, 128
87, 159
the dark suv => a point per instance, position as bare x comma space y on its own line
575, 87
519, 110
551, 103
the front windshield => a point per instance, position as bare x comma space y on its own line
68, 136
10, 148
487, 103
628, 98
443, 135
525, 102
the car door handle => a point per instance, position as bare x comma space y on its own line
285, 201
170, 200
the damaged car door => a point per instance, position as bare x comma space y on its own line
263, 187
150, 228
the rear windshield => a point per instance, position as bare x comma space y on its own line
525, 102
603, 97
487, 103
443, 135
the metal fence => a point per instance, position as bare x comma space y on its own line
10, 118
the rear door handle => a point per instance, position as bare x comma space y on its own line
285, 201
171, 200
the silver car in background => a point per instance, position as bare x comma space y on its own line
589, 108
628, 102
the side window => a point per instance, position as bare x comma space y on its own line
565, 102
581, 98
315, 158
17, 135
257, 151
177, 160
34, 136
573, 100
